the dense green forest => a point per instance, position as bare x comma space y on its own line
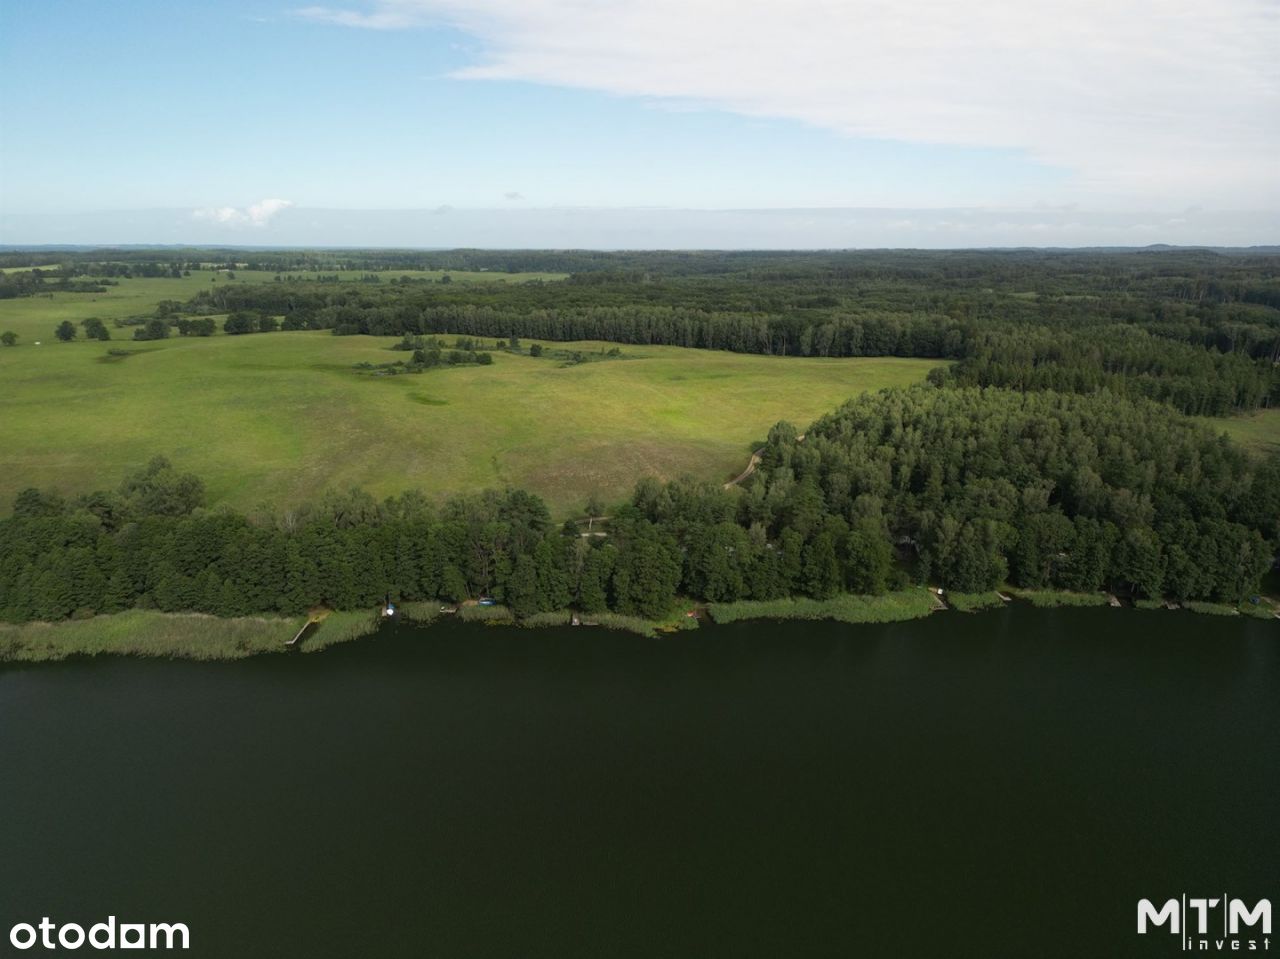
1196, 329
1049, 449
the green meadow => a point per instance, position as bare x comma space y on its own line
272, 419
34, 318
1259, 431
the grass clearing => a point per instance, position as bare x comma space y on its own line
616, 621
1258, 431
1259, 611
272, 419
492, 615
972, 602
1210, 609
147, 633
1048, 598
890, 608
340, 627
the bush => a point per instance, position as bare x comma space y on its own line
153, 329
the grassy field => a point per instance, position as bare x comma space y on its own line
275, 418
845, 608
34, 317
1049, 598
147, 633
141, 632
973, 602
1259, 431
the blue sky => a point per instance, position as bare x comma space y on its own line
206, 110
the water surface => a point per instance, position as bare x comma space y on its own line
1004, 784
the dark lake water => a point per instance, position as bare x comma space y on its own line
1005, 784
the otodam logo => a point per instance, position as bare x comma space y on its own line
1210, 923
101, 935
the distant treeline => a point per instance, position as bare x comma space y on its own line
867, 335
966, 488
1198, 331
1126, 360
33, 282
1195, 274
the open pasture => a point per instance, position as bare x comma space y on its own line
275, 418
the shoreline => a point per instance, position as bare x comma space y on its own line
202, 637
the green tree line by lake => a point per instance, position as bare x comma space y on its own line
966, 488
1049, 449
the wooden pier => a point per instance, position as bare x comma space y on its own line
300, 633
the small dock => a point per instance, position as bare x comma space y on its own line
297, 637
590, 530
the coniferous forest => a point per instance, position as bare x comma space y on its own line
1051, 448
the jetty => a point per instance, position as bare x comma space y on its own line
297, 637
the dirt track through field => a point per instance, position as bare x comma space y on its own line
752, 464
751, 468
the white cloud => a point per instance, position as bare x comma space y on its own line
387, 18
256, 214
1175, 100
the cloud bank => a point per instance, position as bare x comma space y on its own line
1169, 100
257, 214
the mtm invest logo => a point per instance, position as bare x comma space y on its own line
1209, 923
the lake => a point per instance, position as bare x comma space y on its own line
1001, 784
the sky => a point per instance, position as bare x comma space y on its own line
634, 123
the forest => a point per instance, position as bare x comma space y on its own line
1195, 329
1050, 449
964, 487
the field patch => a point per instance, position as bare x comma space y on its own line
272, 419
1259, 431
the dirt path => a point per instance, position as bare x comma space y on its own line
752, 464
751, 468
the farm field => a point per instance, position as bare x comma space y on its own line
273, 419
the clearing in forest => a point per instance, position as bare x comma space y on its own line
274, 418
